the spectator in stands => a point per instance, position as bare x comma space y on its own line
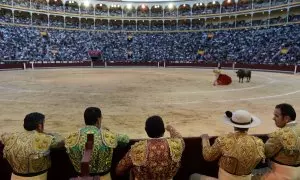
28, 152
155, 158
129, 54
104, 143
238, 152
283, 145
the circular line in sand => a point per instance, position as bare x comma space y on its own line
261, 97
97, 93
241, 99
271, 80
229, 90
234, 100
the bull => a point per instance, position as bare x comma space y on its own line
244, 73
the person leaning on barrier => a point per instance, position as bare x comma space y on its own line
155, 158
238, 152
28, 152
104, 143
283, 145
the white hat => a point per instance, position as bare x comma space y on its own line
242, 119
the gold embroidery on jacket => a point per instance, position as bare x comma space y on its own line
239, 152
28, 152
175, 149
138, 153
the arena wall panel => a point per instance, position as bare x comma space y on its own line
62, 64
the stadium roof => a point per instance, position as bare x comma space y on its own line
152, 0
155, 1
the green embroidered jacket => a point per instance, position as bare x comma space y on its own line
104, 143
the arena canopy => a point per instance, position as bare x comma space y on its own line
145, 0
170, 2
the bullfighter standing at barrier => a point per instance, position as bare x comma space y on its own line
105, 142
28, 152
155, 158
221, 79
238, 153
283, 146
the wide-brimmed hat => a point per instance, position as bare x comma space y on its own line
242, 119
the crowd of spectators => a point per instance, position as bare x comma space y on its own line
279, 44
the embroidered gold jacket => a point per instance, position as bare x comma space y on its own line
104, 143
283, 145
238, 153
28, 152
154, 159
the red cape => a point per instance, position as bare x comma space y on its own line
223, 79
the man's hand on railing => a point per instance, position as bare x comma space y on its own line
169, 128
173, 132
204, 136
205, 139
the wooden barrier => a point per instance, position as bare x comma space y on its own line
229, 65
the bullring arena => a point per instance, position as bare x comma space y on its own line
184, 97
138, 58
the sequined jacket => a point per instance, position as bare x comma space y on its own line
238, 153
283, 145
28, 152
104, 143
154, 159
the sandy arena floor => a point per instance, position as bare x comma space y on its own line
184, 98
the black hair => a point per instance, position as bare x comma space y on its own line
241, 129
155, 127
91, 115
32, 120
228, 114
287, 110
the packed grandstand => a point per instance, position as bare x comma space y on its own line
246, 31
262, 32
